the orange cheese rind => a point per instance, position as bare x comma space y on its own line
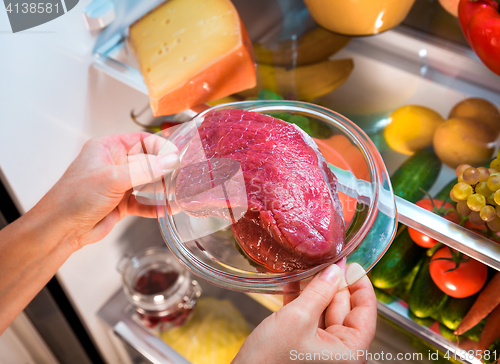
191, 52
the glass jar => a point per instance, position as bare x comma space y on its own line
358, 17
160, 289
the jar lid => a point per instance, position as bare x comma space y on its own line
153, 280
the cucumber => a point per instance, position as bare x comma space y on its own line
383, 296
268, 95
299, 120
455, 310
426, 299
447, 333
444, 194
436, 316
313, 127
493, 354
398, 262
319, 129
476, 331
426, 321
416, 175
402, 290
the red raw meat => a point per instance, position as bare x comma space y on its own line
294, 218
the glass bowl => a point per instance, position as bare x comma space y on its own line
365, 193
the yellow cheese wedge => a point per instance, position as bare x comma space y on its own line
191, 52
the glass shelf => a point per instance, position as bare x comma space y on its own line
397, 312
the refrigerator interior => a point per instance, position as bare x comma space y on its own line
52, 106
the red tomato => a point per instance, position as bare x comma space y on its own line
481, 230
476, 228
465, 281
422, 239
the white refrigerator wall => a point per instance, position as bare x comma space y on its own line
52, 101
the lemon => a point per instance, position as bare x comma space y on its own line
411, 128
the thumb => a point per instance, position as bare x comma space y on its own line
142, 169
103, 227
319, 293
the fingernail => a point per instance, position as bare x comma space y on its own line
330, 274
168, 148
343, 284
169, 161
353, 273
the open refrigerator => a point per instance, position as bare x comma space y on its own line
85, 84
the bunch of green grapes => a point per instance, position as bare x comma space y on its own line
477, 193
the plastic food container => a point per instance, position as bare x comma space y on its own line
160, 289
364, 190
359, 17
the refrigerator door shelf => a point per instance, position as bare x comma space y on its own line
398, 313
99, 14
118, 314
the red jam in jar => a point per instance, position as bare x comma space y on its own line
159, 288
162, 323
155, 281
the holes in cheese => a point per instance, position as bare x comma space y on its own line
191, 52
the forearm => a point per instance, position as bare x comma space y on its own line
31, 251
93, 194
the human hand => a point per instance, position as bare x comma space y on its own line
336, 326
93, 194
96, 190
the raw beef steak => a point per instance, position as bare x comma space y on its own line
294, 218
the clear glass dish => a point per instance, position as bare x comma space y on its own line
364, 190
